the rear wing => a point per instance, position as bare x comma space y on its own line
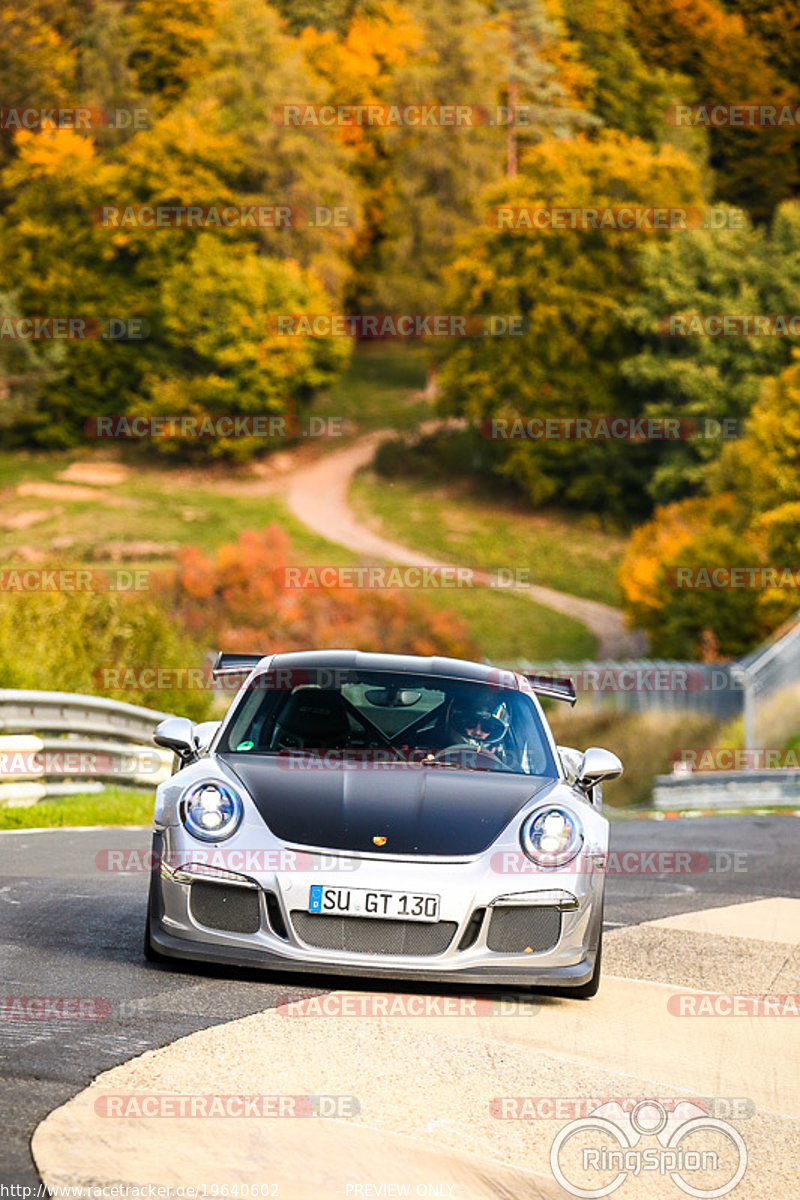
235, 664
557, 687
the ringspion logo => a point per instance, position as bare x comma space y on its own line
693, 1148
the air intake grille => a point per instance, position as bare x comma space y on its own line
231, 909
517, 928
367, 935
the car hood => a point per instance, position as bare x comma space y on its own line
420, 811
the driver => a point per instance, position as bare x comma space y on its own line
480, 721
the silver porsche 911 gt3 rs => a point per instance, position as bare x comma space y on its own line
382, 815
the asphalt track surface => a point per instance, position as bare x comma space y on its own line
68, 929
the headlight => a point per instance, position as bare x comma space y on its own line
211, 811
551, 836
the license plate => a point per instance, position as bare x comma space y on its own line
361, 902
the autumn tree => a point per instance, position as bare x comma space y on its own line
569, 286
751, 519
727, 63
734, 270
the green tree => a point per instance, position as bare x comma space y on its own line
626, 93
438, 174
215, 309
571, 287
735, 271
37, 65
727, 63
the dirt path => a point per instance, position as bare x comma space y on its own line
317, 494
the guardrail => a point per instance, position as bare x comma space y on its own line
61, 743
774, 788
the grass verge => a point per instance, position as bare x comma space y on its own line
466, 525
114, 806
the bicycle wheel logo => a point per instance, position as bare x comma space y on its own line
704, 1156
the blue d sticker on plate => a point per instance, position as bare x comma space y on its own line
315, 898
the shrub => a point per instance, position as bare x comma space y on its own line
236, 597
67, 641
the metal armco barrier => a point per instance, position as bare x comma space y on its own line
710, 790
58, 743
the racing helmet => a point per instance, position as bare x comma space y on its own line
478, 720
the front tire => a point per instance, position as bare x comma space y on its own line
148, 949
592, 986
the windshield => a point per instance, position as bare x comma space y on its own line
382, 717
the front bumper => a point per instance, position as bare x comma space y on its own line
471, 894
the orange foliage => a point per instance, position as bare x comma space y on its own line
659, 542
236, 598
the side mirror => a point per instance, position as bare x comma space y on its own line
177, 734
597, 765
